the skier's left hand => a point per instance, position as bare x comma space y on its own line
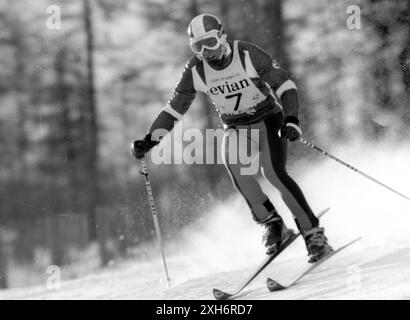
140, 147
291, 130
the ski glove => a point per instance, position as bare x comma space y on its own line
290, 130
140, 147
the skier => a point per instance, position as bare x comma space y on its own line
250, 91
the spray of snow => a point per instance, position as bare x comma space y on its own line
228, 239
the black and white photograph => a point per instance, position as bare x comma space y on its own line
204, 155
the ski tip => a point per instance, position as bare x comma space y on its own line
273, 285
220, 295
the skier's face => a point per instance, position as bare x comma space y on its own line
212, 55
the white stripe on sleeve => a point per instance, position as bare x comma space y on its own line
287, 85
172, 112
294, 126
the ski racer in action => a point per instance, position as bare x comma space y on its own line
250, 91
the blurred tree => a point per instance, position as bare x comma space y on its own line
66, 144
333, 68
90, 118
388, 21
380, 65
249, 29
275, 35
19, 89
3, 263
405, 66
224, 10
21, 92
61, 140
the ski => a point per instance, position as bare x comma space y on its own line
276, 286
221, 295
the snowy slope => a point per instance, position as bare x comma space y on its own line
363, 272
222, 250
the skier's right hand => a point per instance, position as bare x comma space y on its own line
140, 147
290, 130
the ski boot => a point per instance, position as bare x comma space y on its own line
276, 233
316, 244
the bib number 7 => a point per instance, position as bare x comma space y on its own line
238, 99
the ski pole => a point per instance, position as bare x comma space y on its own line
144, 172
311, 145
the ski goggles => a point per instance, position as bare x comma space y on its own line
211, 41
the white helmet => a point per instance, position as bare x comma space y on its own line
206, 31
